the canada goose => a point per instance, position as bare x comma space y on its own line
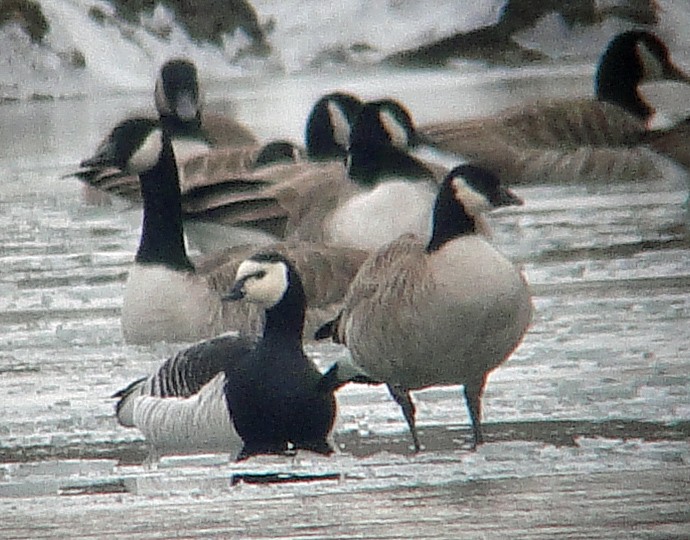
178, 101
218, 195
230, 392
167, 297
329, 126
442, 311
583, 140
359, 206
207, 162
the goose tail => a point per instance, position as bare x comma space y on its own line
341, 373
329, 330
124, 408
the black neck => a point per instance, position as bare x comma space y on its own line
162, 239
285, 321
451, 220
370, 165
617, 79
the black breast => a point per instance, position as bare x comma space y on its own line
274, 399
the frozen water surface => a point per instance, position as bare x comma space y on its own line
587, 425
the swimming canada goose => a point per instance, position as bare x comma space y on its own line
603, 140
167, 297
383, 192
441, 311
261, 395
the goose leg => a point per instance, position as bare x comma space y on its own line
402, 397
473, 397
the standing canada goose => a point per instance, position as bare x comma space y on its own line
359, 205
582, 140
440, 311
167, 297
227, 393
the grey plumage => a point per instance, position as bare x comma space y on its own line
443, 311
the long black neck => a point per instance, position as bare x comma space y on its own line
451, 220
162, 240
617, 79
370, 165
285, 321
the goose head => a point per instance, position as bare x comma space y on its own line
177, 93
329, 125
278, 152
381, 139
133, 146
270, 280
630, 60
467, 192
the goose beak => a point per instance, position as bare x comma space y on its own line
506, 197
186, 107
236, 293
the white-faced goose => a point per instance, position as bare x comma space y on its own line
238, 395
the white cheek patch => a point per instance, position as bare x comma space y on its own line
474, 202
396, 131
340, 124
267, 289
652, 66
147, 154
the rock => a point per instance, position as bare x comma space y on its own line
26, 13
204, 20
495, 44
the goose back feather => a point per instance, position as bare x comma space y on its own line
603, 139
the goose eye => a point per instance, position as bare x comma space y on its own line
260, 274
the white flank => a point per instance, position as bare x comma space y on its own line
200, 423
164, 305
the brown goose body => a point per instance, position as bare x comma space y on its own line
604, 139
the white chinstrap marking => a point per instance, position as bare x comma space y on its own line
396, 131
474, 202
341, 125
